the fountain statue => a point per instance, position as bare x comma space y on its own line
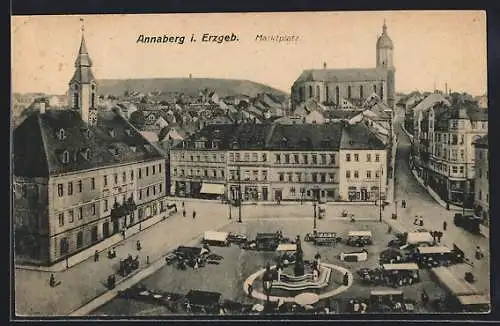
299, 258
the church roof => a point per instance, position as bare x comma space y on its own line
39, 149
83, 58
343, 75
83, 75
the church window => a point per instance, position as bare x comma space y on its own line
348, 91
375, 89
310, 91
76, 100
337, 94
301, 93
327, 94
93, 100
317, 92
382, 92
361, 91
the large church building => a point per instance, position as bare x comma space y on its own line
333, 87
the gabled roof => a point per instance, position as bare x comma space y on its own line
343, 114
359, 136
343, 75
430, 101
39, 151
306, 137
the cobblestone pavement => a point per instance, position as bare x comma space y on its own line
419, 202
85, 281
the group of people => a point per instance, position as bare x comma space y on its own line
419, 220
437, 235
184, 211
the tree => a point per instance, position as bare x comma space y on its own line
137, 119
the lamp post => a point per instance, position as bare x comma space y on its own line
239, 194
267, 283
380, 194
315, 216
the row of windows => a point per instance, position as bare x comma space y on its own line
480, 196
78, 213
247, 157
300, 177
311, 94
209, 173
485, 175
355, 174
199, 158
248, 175
78, 186
297, 159
74, 187
355, 157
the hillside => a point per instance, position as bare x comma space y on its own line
188, 86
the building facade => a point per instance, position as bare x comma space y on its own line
444, 157
81, 175
274, 162
333, 86
482, 179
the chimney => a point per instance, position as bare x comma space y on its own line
42, 107
324, 65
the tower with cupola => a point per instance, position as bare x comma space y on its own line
385, 50
82, 86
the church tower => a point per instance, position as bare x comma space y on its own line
82, 86
385, 50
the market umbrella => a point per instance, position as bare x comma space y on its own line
305, 299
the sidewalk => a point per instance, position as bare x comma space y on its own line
86, 281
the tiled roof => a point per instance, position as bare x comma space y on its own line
83, 75
112, 141
430, 101
306, 137
358, 136
343, 75
343, 114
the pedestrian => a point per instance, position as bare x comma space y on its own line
416, 220
404, 203
439, 236
183, 212
138, 245
444, 225
96, 255
421, 221
194, 215
250, 289
147, 260
389, 229
123, 234
424, 297
52, 281
182, 204
434, 235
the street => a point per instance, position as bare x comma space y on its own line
419, 202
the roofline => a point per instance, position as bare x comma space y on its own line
102, 167
44, 142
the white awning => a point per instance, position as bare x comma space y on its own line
360, 234
453, 284
400, 267
215, 236
212, 188
473, 299
287, 247
434, 250
419, 237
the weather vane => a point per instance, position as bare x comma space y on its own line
83, 27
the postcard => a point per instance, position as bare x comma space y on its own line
250, 164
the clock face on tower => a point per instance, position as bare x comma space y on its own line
92, 116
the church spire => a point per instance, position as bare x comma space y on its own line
384, 28
83, 59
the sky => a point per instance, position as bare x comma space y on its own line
431, 48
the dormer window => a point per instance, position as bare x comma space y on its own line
85, 153
133, 148
65, 157
215, 144
128, 132
147, 147
112, 132
61, 134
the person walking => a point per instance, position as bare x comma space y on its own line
96, 256
52, 280
421, 221
439, 236
182, 204
194, 215
183, 212
415, 222
444, 225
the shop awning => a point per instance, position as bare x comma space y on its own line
453, 284
212, 188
